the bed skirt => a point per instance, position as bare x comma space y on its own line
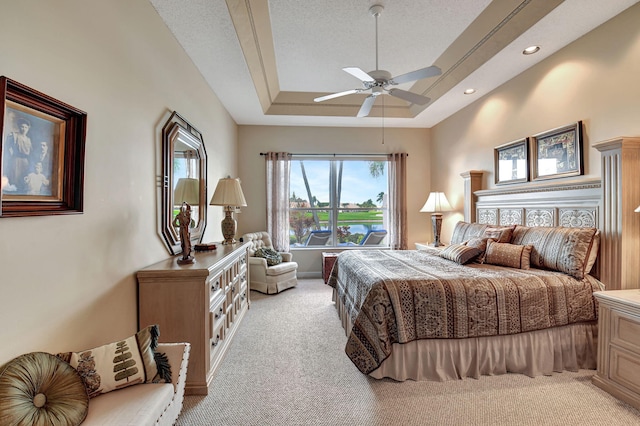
541, 352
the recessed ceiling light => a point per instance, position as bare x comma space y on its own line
469, 91
530, 50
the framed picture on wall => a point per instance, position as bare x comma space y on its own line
42, 153
558, 152
512, 162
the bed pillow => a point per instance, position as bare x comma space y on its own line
39, 388
480, 244
568, 250
272, 256
501, 234
459, 253
505, 254
120, 364
463, 231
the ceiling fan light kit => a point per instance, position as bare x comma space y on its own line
379, 81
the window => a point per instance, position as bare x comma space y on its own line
338, 201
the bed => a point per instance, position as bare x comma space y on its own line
429, 315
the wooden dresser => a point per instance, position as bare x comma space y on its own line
202, 303
619, 344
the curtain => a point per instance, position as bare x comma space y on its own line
398, 239
278, 165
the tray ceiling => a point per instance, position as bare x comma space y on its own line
267, 59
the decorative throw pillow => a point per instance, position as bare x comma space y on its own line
480, 244
459, 253
502, 234
272, 256
511, 255
40, 389
561, 249
464, 230
120, 364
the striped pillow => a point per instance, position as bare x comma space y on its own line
464, 230
558, 248
459, 253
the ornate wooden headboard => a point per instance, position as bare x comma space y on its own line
575, 204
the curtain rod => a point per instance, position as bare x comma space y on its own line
337, 155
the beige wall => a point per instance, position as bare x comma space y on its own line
68, 282
321, 140
594, 79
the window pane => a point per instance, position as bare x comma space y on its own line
353, 225
310, 228
310, 176
363, 183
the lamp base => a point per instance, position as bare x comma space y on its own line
229, 227
436, 223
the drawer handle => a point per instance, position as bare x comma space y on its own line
214, 344
219, 313
215, 286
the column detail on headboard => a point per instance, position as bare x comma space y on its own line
472, 183
620, 160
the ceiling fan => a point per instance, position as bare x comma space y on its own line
378, 81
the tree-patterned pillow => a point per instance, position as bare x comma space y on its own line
272, 256
120, 364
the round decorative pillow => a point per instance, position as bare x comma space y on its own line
272, 256
40, 389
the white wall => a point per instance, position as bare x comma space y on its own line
594, 79
68, 282
328, 140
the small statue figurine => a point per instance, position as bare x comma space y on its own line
183, 220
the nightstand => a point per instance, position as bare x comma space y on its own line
619, 344
428, 246
328, 259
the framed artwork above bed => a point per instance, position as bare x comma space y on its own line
512, 162
557, 153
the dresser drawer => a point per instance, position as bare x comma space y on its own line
217, 336
625, 331
624, 368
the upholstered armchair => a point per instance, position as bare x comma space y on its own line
264, 278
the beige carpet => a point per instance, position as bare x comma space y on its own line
287, 366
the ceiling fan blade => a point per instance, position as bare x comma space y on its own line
416, 75
359, 74
414, 98
365, 109
336, 95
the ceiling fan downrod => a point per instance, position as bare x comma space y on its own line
375, 11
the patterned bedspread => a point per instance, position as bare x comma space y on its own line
400, 296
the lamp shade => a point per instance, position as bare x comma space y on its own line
228, 193
187, 191
437, 202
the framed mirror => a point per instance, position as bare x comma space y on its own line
184, 180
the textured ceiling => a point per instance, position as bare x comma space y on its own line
267, 59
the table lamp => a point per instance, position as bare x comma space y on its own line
436, 203
229, 194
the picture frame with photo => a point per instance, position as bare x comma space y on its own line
557, 153
42, 153
512, 162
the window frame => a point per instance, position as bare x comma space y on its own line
333, 209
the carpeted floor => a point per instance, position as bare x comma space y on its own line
287, 366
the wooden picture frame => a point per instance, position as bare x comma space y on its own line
512, 162
557, 153
41, 154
